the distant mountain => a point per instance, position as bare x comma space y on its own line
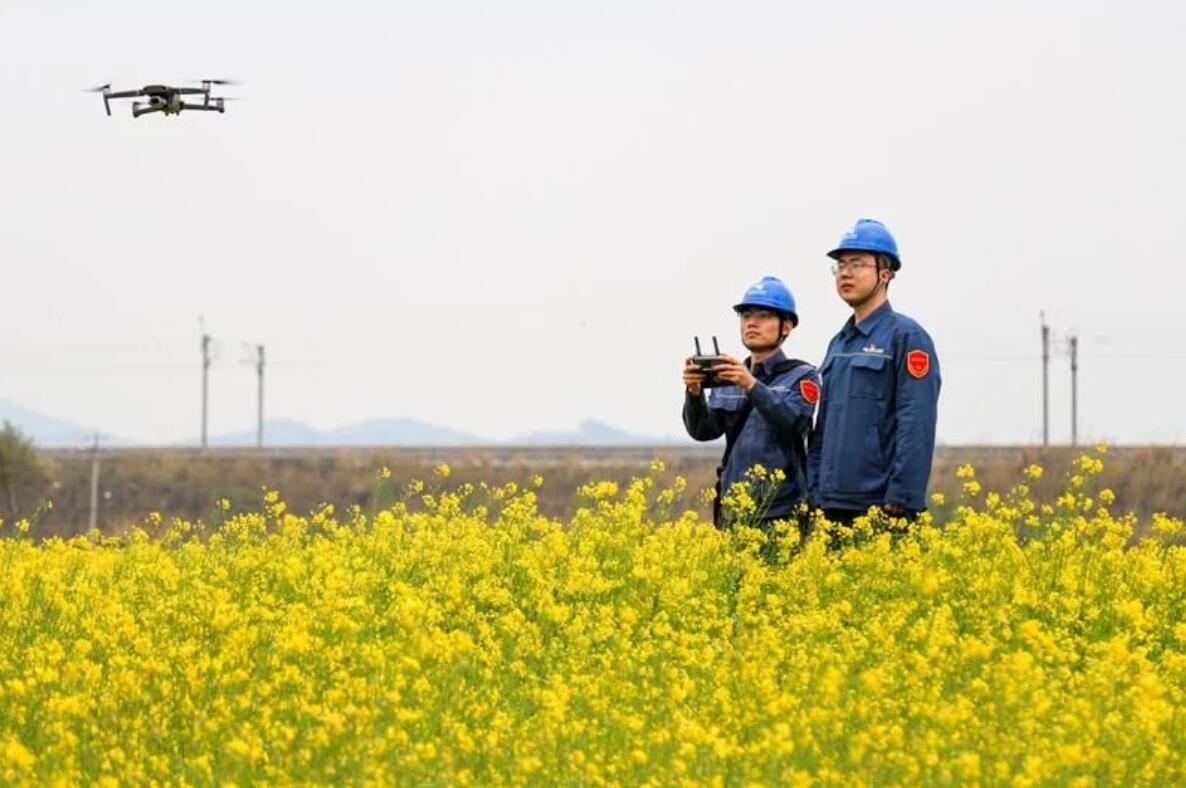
277, 432
372, 432
48, 432
589, 433
406, 432
411, 432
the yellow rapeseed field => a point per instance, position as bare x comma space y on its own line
455, 636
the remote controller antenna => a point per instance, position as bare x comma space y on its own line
697, 339
716, 349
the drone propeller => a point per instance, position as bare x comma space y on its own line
104, 89
216, 81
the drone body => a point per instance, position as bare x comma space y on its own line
166, 99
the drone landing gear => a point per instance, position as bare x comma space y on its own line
138, 110
212, 107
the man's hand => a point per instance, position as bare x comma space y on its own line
893, 509
733, 371
693, 377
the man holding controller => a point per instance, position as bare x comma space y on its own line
763, 405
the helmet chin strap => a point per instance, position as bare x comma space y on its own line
764, 348
781, 336
778, 343
880, 285
784, 337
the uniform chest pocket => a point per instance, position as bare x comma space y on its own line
870, 377
727, 402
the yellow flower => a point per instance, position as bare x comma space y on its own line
627, 643
17, 757
599, 490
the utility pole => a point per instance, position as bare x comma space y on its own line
1045, 380
1074, 391
259, 370
93, 519
205, 382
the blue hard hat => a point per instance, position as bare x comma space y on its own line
770, 293
869, 235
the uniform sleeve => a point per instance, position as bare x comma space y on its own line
788, 410
815, 452
701, 421
917, 400
815, 440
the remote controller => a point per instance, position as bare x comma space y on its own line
706, 363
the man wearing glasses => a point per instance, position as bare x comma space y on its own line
764, 408
875, 433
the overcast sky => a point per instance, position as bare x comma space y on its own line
507, 217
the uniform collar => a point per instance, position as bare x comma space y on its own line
875, 317
766, 367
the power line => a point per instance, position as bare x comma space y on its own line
1074, 390
205, 383
259, 370
93, 513
1045, 381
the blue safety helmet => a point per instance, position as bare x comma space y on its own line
770, 293
869, 235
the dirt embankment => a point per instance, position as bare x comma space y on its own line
187, 483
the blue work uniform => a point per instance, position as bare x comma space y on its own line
874, 436
775, 432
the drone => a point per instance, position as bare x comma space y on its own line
167, 100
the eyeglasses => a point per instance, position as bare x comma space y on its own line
757, 314
840, 266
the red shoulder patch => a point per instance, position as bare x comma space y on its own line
810, 391
918, 363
